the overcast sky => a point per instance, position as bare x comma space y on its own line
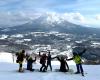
13, 12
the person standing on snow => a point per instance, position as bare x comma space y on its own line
77, 59
43, 58
20, 59
49, 61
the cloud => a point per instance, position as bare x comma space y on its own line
12, 19
76, 18
6, 2
17, 18
82, 6
92, 22
76, 11
98, 17
21, 17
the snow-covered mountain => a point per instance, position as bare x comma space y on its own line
48, 23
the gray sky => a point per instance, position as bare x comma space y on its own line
85, 12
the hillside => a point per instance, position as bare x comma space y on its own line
44, 24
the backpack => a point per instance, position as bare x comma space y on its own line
41, 60
20, 57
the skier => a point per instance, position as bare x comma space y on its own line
63, 64
43, 62
49, 61
20, 59
29, 62
77, 59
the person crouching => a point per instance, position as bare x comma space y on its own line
30, 62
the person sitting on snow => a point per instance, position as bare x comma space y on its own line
77, 59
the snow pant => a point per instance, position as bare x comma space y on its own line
43, 67
49, 64
29, 66
20, 66
79, 68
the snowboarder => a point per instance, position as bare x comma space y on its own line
77, 59
20, 59
49, 61
29, 62
63, 64
43, 58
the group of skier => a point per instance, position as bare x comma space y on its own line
45, 61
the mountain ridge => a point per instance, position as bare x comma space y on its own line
41, 24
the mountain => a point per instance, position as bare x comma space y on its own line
47, 23
52, 32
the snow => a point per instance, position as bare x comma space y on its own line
8, 71
78, 41
27, 40
17, 36
19, 41
6, 57
3, 36
95, 44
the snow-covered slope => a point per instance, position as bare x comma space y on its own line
6, 57
8, 71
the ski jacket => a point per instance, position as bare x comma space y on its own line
77, 59
20, 57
